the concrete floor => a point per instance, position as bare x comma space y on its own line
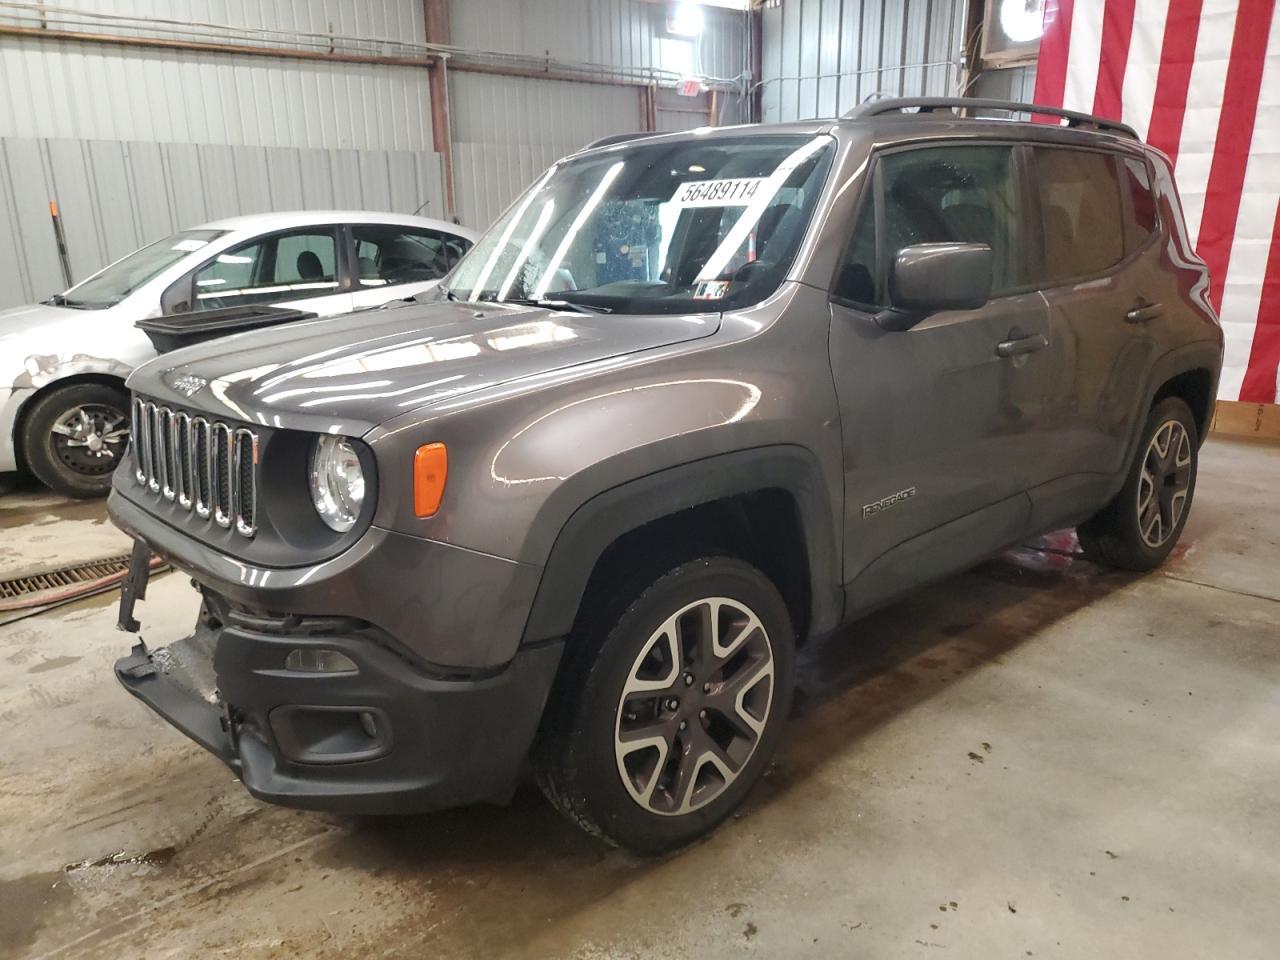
1034, 759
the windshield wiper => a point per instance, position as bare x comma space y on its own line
550, 304
62, 300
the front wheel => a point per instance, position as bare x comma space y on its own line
1138, 529
666, 716
74, 436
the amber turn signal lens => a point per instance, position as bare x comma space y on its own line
430, 469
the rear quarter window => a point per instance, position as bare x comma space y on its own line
1140, 216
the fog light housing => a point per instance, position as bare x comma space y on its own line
319, 660
325, 734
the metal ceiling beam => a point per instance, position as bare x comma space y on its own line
204, 46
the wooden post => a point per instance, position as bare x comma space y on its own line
436, 18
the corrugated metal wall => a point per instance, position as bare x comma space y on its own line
115, 195
134, 143
627, 33
822, 57
508, 130
97, 92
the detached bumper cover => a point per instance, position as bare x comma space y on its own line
436, 743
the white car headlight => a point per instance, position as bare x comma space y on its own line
337, 482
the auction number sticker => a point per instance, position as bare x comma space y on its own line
733, 192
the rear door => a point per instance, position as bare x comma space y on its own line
393, 262
937, 424
1101, 274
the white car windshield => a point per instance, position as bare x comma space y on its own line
110, 286
695, 225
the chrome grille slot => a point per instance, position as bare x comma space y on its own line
153, 448
200, 439
245, 501
205, 466
138, 438
182, 457
164, 442
222, 474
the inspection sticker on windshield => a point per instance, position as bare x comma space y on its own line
733, 192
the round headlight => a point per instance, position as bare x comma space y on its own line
337, 482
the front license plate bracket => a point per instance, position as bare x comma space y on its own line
134, 587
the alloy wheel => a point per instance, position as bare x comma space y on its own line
1164, 483
90, 438
694, 706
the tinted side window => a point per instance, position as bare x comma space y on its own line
1080, 203
950, 194
387, 255
1140, 222
287, 267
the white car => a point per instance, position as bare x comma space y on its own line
63, 407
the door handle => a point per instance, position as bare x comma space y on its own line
1015, 348
1144, 312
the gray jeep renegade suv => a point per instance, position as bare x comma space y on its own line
693, 399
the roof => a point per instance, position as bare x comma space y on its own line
263, 222
909, 117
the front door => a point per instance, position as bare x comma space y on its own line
940, 422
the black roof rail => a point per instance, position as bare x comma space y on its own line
877, 108
617, 138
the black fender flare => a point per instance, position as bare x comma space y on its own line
608, 515
1197, 355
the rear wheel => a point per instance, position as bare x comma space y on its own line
73, 438
672, 707
1138, 529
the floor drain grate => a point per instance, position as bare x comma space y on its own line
63, 577
53, 588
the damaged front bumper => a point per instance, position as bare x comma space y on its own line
378, 735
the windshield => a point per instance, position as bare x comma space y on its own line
117, 281
680, 227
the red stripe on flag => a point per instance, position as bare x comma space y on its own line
1051, 69
1117, 31
1177, 54
1235, 134
1259, 384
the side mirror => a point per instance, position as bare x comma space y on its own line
928, 277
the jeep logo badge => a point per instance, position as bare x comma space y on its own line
189, 384
871, 509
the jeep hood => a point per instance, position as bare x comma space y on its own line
349, 373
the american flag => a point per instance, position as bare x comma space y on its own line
1199, 80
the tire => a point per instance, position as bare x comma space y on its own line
1124, 533
79, 463
588, 759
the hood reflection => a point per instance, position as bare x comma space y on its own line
364, 368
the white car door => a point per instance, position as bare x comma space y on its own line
298, 268
394, 262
